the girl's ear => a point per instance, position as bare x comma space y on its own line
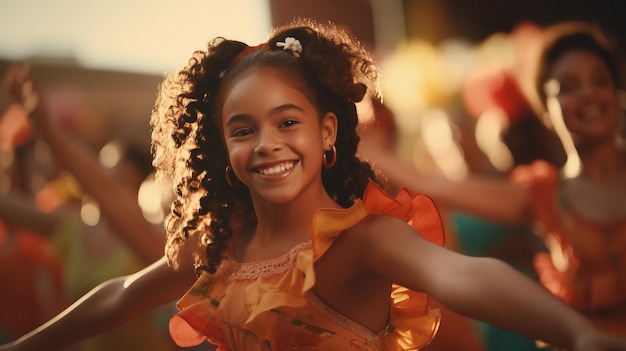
329, 130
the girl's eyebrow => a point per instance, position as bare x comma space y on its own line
285, 107
237, 118
244, 117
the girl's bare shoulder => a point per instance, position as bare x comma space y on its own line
373, 229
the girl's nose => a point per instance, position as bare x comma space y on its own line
589, 90
585, 90
267, 141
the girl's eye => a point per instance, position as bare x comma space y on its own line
242, 132
288, 123
568, 86
603, 82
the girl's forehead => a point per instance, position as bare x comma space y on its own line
264, 80
577, 59
253, 78
265, 88
578, 62
270, 74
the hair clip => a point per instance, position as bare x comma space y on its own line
291, 44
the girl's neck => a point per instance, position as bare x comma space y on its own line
290, 221
280, 227
602, 162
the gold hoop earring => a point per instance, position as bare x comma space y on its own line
227, 173
331, 163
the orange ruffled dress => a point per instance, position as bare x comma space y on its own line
586, 265
269, 305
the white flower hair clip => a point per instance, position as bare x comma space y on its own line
291, 44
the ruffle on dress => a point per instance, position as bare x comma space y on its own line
275, 299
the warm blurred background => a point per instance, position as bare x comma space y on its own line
453, 80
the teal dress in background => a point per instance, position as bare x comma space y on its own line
515, 245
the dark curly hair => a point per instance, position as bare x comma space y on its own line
187, 138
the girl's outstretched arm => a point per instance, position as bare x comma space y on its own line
481, 288
108, 305
493, 199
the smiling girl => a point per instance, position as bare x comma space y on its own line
295, 245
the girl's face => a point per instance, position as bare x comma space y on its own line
587, 95
274, 135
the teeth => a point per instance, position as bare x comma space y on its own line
276, 169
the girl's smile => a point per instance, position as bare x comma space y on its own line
275, 170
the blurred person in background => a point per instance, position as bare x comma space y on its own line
34, 287
64, 209
579, 210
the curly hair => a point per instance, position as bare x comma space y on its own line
188, 144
